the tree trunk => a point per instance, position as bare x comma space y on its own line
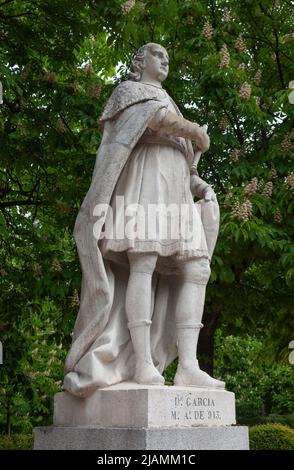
211, 317
267, 404
8, 419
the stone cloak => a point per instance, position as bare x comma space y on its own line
101, 353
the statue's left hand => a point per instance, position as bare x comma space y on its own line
209, 194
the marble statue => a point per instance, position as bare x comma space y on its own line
142, 297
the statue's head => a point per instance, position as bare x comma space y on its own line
150, 60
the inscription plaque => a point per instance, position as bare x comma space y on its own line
200, 409
147, 406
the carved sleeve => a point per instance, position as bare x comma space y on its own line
167, 122
198, 186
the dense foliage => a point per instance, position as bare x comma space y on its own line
261, 388
271, 437
17, 442
230, 66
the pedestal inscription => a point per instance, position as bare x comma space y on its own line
135, 406
196, 408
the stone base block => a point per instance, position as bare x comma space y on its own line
179, 438
129, 416
129, 405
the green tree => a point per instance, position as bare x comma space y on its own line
261, 388
231, 63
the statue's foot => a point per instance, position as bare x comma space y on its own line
147, 374
195, 377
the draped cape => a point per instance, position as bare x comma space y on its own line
101, 353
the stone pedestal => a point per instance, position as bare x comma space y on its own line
130, 405
131, 416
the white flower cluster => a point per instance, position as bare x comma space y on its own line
242, 211
245, 91
268, 189
290, 181
235, 154
207, 31
88, 68
74, 299
240, 44
127, 6
251, 187
142, 7
228, 199
278, 216
56, 266
242, 66
287, 143
224, 56
227, 15
257, 77
273, 174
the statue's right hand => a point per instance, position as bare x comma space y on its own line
203, 140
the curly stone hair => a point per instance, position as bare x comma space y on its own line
138, 63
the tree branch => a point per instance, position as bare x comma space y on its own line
277, 51
19, 203
8, 17
235, 125
6, 3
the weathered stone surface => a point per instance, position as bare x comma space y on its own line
180, 438
134, 406
134, 326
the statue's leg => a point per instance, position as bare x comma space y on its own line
138, 309
189, 310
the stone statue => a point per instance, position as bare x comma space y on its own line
142, 297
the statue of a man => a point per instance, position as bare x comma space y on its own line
142, 298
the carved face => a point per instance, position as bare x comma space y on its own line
156, 61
